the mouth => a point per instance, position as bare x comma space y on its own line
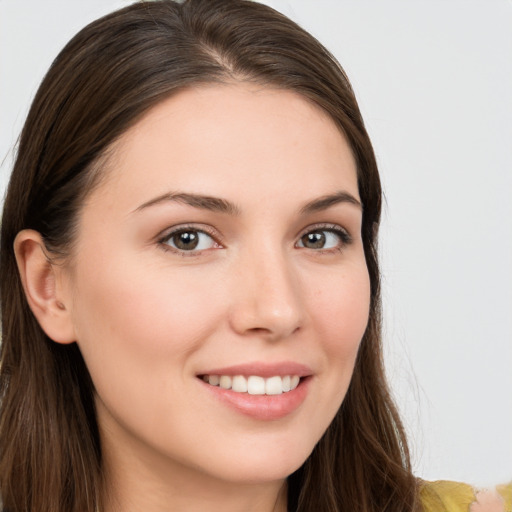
254, 384
260, 390
261, 397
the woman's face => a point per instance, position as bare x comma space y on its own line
223, 245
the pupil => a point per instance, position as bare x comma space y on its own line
186, 240
314, 240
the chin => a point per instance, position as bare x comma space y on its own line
259, 465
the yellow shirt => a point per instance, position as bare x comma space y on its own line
446, 496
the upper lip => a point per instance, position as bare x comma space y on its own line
263, 369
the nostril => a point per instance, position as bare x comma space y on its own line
271, 311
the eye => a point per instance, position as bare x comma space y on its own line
188, 239
331, 238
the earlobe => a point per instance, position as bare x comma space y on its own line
41, 283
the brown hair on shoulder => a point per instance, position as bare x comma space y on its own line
109, 75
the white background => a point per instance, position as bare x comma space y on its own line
434, 81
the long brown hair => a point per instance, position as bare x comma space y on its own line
102, 82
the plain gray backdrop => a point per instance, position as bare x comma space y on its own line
434, 82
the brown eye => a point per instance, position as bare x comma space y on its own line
189, 240
331, 238
315, 240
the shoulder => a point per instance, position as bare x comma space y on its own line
447, 496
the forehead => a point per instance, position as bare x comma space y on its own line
229, 140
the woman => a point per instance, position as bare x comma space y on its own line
178, 333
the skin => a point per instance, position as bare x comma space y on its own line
149, 318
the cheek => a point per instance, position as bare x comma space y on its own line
138, 332
161, 309
342, 310
137, 328
341, 307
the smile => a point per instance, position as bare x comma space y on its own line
260, 390
254, 384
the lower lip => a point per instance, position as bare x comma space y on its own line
262, 407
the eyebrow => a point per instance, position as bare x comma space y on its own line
325, 202
216, 204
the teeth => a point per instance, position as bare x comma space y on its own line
255, 385
214, 380
274, 386
225, 382
239, 384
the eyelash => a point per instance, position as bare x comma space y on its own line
163, 241
344, 236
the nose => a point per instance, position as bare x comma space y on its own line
267, 299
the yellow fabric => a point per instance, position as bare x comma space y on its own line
505, 491
447, 496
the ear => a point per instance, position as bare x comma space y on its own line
42, 282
